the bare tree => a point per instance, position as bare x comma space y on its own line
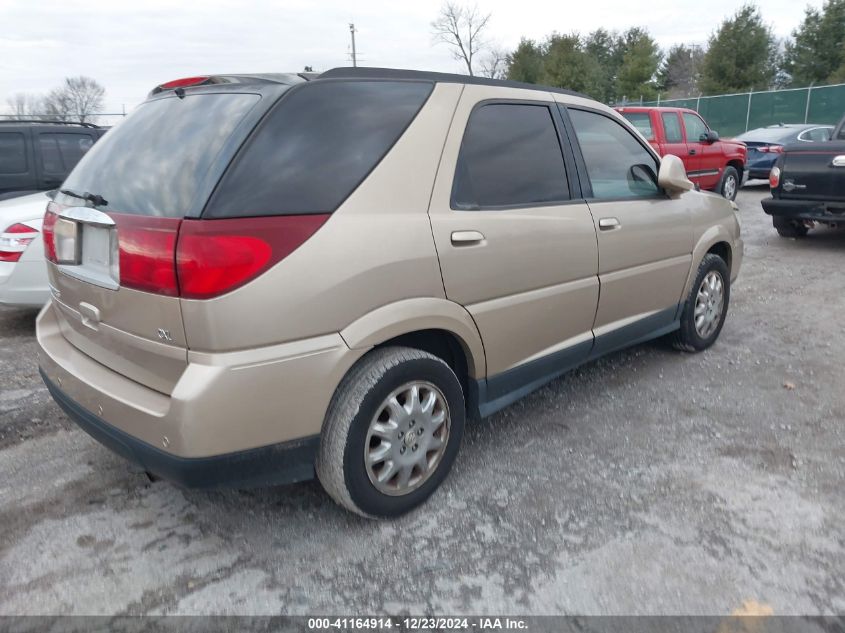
495, 63
78, 99
462, 29
24, 105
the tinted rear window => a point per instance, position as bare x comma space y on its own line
61, 152
316, 146
153, 162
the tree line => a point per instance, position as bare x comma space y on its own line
78, 99
741, 54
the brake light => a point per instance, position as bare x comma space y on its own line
184, 82
15, 240
216, 256
774, 177
146, 252
47, 231
771, 149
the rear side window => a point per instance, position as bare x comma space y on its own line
672, 128
510, 156
12, 153
641, 121
153, 162
316, 146
815, 135
61, 152
617, 164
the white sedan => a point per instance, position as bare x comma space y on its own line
23, 272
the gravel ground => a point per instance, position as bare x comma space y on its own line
649, 482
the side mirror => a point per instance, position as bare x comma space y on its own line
710, 136
673, 176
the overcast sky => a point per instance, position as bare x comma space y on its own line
129, 47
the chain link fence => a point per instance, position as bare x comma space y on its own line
734, 114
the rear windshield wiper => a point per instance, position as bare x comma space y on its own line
95, 199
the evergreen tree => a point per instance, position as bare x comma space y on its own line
526, 62
640, 60
817, 50
741, 55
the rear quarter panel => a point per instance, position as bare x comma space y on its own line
376, 249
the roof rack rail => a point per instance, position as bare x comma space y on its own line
48, 122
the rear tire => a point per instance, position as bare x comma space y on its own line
729, 185
706, 306
789, 228
392, 432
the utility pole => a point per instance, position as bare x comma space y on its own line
354, 52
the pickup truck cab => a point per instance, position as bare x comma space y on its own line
711, 163
808, 186
38, 155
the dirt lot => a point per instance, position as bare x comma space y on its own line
648, 482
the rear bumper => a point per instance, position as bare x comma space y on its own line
805, 210
287, 462
241, 413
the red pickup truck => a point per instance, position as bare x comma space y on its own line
711, 163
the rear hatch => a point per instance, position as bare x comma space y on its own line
111, 233
814, 172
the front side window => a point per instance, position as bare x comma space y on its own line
510, 156
672, 128
695, 127
617, 164
12, 153
60, 152
641, 121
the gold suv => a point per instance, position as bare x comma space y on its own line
256, 278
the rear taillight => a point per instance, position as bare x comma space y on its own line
774, 177
147, 252
15, 240
48, 231
771, 149
216, 256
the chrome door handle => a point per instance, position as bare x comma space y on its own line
467, 238
608, 224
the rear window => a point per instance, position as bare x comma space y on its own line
316, 146
768, 135
154, 162
641, 121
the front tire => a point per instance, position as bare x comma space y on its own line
789, 228
729, 185
706, 306
392, 432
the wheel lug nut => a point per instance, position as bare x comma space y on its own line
413, 422
401, 434
402, 451
419, 432
414, 447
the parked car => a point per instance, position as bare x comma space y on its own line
38, 155
23, 271
808, 186
711, 163
257, 278
765, 144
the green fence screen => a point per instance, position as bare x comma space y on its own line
734, 114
